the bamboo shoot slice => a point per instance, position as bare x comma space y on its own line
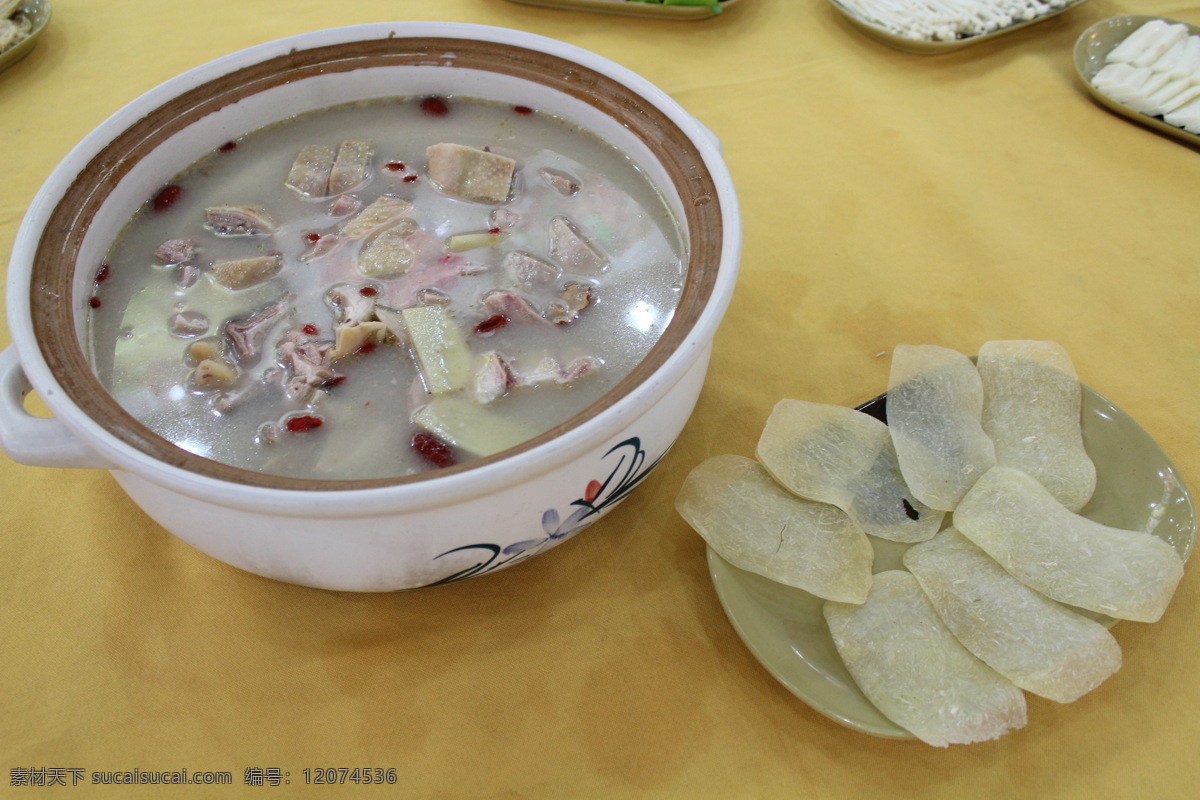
442, 352
469, 426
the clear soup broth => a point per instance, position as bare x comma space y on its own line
385, 288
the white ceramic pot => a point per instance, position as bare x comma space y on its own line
369, 535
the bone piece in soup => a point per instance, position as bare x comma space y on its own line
934, 408
379, 213
243, 273
351, 167
187, 324
571, 302
571, 248
1038, 644
239, 220
309, 174
247, 336
1067, 557
560, 181
388, 253
350, 339
755, 524
470, 174
1031, 412
175, 251
837, 455
914, 670
214, 374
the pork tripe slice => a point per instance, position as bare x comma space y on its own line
380, 213
844, 457
755, 524
934, 408
1038, 644
913, 669
351, 167
1031, 412
1067, 557
309, 175
470, 174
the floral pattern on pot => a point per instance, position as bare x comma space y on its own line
628, 471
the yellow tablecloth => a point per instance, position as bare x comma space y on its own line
888, 198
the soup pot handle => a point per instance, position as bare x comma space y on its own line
36, 441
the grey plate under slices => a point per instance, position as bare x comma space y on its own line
1091, 48
1137, 488
926, 47
38, 13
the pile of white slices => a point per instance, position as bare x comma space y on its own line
982, 469
948, 20
1156, 71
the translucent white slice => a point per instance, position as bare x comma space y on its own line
1038, 644
1031, 408
934, 407
844, 457
914, 670
754, 524
1124, 574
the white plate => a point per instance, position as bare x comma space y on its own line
925, 47
1137, 488
1096, 43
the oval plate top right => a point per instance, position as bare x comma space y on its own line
1094, 45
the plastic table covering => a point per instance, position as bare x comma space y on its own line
887, 197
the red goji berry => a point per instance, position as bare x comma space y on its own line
435, 106
303, 423
433, 450
166, 197
492, 324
